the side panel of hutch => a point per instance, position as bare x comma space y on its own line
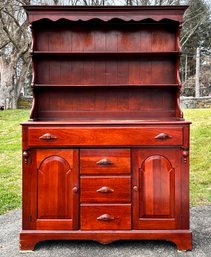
106, 147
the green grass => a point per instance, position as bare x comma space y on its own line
200, 156
10, 157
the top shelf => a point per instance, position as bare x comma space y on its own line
92, 53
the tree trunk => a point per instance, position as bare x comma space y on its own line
6, 86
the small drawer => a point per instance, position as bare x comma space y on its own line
97, 217
105, 161
105, 189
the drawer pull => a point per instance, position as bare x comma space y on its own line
47, 136
163, 136
105, 217
105, 189
104, 162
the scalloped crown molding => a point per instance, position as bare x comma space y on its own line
105, 13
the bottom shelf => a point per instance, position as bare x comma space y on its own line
182, 238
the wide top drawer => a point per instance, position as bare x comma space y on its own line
105, 136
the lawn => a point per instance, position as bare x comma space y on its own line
10, 157
200, 156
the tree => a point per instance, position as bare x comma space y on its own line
197, 26
14, 51
15, 42
196, 30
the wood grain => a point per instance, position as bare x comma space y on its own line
121, 214
119, 158
105, 136
120, 186
158, 202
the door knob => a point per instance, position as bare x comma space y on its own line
75, 189
135, 188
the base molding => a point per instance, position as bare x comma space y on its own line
181, 238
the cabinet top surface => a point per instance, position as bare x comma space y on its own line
105, 13
104, 123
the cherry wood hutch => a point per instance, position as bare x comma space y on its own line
106, 149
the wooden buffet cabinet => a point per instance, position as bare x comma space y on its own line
106, 149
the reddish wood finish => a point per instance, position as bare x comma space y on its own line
54, 174
105, 13
105, 217
119, 161
182, 238
105, 136
118, 189
54, 178
106, 150
105, 69
157, 202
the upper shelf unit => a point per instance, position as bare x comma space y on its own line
105, 62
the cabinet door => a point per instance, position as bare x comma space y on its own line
156, 188
56, 201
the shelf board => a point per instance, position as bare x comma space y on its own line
108, 85
92, 53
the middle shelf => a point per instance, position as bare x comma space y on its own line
103, 85
104, 53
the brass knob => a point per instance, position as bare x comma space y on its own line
135, 188
75, 189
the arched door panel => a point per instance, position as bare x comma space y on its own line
156, 202
56, 175
157, 187
54, 194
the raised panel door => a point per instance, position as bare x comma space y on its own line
156, 189
56, 193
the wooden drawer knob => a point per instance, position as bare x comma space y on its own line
163, 136
75, 189
105, 189
104, 161
135, 188
25, 156
105, 217
47, 136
